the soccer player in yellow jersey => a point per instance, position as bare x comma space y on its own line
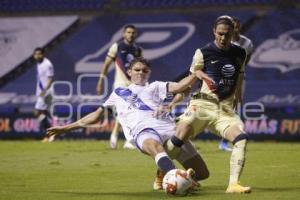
212, 106
245, 43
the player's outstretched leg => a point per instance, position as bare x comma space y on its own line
237, 162
150, 143
173, 145
44, 119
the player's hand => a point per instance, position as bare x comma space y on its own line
42, 94
56, 130
203, 76
162, 111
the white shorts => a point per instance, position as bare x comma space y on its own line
187, 150
43, 103
149, 133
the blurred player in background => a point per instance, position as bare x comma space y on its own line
212, 106
136, 106
45, 73
241, 40
245, 43
122, 53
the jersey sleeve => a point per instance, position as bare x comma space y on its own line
50, 70
161, 89
112, 52
243, 57
198, 62
140, 50
111, 101
250, 48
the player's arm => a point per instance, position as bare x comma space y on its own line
198, 65
196, 72
248, 58
107, 62
167, 108
112, 53
49, 83
91, 118
249, 53
239, 92
182, 85
179, 97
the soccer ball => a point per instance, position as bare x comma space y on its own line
178, 181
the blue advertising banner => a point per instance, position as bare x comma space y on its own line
271, 126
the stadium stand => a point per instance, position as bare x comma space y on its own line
19, 36
9, 6
190, 3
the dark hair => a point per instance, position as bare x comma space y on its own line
236, 20
129, 26
141, 60
224, 19
39, 49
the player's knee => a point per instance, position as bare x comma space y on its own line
183, 131
233, 132
240, 137
152, 147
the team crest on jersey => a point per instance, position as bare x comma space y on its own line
281, 53
131, 98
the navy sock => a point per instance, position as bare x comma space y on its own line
176, 141
164, 163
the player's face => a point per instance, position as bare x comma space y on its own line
139, 73
38, 56
223, 35
129, 35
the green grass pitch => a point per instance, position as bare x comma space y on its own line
90, 170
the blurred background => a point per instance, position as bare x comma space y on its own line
77, 34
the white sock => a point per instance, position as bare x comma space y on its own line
41, 117
115, 130
171, 149
237, 161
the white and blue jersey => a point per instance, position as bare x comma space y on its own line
135, 106
44, 71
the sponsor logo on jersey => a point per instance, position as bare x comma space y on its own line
214, 61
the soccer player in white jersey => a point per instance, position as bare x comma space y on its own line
135, 106
245, 43
45, 73
241, 40
122, 53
